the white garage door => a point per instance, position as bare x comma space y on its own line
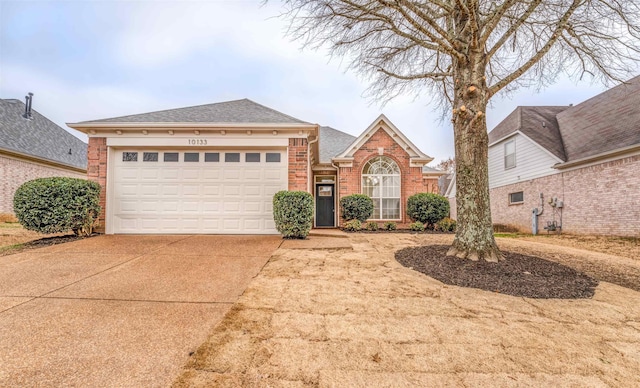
190, 191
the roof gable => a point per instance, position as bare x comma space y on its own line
604, 123
237, 111
538, 123
383, 123
38, 137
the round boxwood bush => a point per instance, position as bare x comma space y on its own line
356, 207
427, 208
57, 205
293, 213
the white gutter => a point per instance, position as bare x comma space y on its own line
593, 158
114, 125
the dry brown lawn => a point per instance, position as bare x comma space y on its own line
14, 233
357, 318
628, 247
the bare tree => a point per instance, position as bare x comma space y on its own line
464, 52
448, 165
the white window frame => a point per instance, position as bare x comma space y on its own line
364, 175
508, 165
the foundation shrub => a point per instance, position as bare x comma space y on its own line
427, 208
416, 226
356, 207
352, 226
293, 213
58, 205
372, 226
390, 226
447, 225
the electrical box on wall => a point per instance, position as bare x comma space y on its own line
560, 204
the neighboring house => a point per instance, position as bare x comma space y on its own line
31, 146
578, 165
215, 168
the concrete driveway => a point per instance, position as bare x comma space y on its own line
118, 311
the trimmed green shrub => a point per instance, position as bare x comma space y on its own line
390, 226
417, 226
57, 205
352, 226
356, 207
447, 225
293, 213
372, 226
427, 208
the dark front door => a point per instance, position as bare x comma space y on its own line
325, 205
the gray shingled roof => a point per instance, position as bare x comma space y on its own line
606, 122
38, 137
332, 143
238, 111
539, 123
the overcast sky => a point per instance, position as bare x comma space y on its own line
87, 60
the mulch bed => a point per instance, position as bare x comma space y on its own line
517, 275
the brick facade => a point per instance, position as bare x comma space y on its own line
15, 171
298, 164
97, 172
411, 178
598, 199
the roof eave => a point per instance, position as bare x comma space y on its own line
42, 160
86, 126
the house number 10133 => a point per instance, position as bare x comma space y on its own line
197, 141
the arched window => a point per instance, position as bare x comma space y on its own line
381, 182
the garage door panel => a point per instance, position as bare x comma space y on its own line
189, 189
195, 197
169, 173
191, 173
169, 190
128, 174
252, 207
149, 173
231, 190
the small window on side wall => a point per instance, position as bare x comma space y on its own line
516, 198
510, 154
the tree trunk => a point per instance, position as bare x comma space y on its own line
474, 234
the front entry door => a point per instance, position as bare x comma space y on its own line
325, 205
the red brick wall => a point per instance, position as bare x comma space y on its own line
411, 178
14, 172
97, 172
298, 164
599, 199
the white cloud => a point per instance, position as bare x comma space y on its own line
62, 102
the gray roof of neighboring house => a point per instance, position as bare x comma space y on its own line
332, 143
606, 122
238, 111
431, 169
539, 123
38, 137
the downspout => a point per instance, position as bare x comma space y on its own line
309, 169
336, 221
535, 213
310, 184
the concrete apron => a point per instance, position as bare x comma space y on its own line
118, 310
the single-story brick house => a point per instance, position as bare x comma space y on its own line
578, 165
215, 168
32, 146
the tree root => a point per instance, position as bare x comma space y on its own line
491, 255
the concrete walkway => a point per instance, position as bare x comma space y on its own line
118, 311
356, 318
